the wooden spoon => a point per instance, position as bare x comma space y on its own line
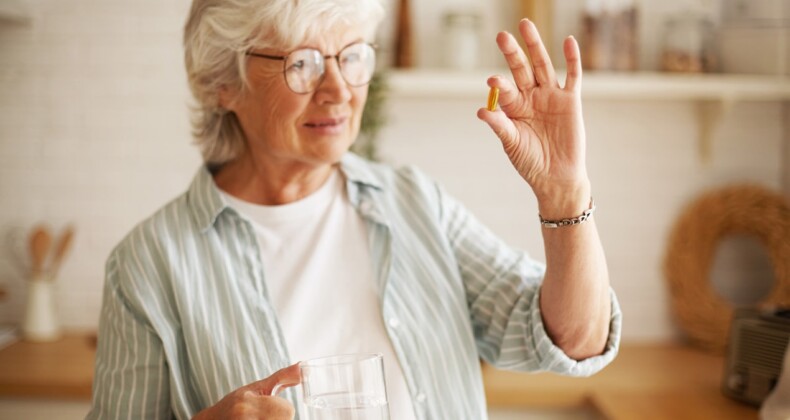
61, 249
40, 241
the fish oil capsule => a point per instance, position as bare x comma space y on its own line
493, 98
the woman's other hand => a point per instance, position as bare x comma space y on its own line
255, 401
540, 123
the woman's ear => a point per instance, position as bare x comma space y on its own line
227, 97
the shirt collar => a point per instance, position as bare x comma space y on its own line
206, 202
362, 184
359, 171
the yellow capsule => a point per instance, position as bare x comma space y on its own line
493, 98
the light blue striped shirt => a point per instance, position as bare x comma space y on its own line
186, 317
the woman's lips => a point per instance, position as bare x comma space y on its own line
327, 125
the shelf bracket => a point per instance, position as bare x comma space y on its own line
709, 113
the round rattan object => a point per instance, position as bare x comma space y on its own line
703, 314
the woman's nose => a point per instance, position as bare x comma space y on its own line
333, 88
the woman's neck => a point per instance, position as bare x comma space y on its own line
271, 183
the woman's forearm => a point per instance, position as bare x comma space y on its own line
575, 301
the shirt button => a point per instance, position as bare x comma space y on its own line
421, 398
394, 322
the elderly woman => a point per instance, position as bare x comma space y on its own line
287, 247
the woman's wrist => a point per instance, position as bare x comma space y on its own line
564, 201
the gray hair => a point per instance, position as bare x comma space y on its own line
217, 35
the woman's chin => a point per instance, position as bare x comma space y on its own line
333, 151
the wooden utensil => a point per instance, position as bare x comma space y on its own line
61, 249
404, 48
40, 242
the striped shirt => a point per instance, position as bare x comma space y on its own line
186, 317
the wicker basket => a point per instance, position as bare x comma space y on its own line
703, 314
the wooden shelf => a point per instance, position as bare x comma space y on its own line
615, 86
713, 95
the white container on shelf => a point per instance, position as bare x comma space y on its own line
755, 50
462, 40
756, 10
755, 37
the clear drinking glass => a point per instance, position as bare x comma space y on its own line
348, 387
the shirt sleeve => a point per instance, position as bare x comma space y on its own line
503, 289
131, 378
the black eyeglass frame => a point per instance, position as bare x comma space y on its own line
284, 59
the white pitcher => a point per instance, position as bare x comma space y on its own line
41, 322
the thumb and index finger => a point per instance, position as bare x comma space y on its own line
283, 378
509, 92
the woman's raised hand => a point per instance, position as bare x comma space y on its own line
540, 123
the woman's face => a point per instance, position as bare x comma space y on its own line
314, 128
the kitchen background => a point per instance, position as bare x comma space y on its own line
94, 132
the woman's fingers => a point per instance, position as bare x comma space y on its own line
498, 120
573, 81
541, 63
502, 125
516, 60
272, 385
258, 399
508, 92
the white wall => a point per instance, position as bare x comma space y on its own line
94, 131
644, 166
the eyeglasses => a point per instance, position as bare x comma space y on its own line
304, 69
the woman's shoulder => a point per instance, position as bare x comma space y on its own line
180, 221
156, 233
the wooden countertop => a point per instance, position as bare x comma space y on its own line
58, 369
645, 382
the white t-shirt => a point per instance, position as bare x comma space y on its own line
319, 276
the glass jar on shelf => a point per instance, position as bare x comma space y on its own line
610, 35
689, 44
462, 39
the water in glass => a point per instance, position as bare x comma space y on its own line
345, 406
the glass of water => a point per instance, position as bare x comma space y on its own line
348, 387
